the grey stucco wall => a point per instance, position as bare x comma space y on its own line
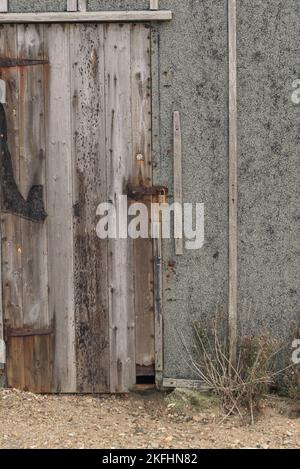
269, 170
22, 6
192, 69
193, 80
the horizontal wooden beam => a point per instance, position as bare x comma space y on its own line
87, 17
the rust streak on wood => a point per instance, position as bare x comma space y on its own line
12, 281
27, 332
142, 189
89, 189
6, 62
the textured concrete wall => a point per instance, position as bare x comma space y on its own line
21, 6
192, 78
269, 170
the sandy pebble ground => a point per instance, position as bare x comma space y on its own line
153, 420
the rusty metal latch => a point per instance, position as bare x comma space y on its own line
139, 192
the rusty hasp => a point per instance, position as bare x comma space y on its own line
6, 62
139, 192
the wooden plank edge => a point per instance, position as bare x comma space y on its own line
86, 17
185, 383
82, 5
3, 6
157, 244
153, 4
72, 5
233, 181
2, 343
178, 198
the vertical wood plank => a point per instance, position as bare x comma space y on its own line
34, 235
119, 172
153, 4
157, 244
178, 175
82, 5
233, 169
60, 206
91, 292
11, 227
71, 5
2, 343
142, 175
3, 6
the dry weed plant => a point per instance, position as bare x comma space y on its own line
242, 386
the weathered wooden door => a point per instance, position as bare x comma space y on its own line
78, 310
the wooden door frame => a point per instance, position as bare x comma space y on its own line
109, 17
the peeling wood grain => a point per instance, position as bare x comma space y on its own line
11, 226
119, 172
60, 206
91, 292
34, 256
157, 248
142, 175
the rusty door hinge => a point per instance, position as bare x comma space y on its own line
139, 192
6, 62
27, 332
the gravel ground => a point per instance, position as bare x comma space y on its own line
155, 420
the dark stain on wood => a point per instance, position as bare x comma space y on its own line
12, 200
